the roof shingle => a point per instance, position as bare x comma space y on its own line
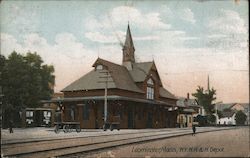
140, 71
119, 74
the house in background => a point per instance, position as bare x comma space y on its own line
228, 118
244, 107
188, 110
135, 93
233, 107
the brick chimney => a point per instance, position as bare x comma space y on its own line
187, 95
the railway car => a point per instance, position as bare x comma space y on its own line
38, 117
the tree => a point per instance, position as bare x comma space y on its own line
202, 120
240, 118
25, 81
219, 114
205, 99
211, 119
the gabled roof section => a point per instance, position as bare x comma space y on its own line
184, 102
222, 107
227, 114
119, 74
89, 81
140, 71
166, 94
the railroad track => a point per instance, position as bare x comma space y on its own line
71, 146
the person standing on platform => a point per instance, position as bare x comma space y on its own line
11, 126
194, 130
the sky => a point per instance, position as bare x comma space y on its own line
188, 40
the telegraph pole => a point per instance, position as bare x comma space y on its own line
106, 76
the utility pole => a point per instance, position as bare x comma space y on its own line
106, 76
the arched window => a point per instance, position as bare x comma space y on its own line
99, 67
150, 89
150, 82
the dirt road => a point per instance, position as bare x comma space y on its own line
227, 143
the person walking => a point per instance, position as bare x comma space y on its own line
194, 130
11, 126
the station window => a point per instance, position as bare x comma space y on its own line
86, 112
150, 89
47, 114
150, 82
29, 113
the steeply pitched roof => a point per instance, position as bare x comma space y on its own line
222, 107
165, 93
119, 74
89, 81
129, 41
227, 113
140, 71
128, 48
187, 102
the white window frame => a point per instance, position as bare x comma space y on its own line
150, 89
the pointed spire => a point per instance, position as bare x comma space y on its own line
128, 48
129, 41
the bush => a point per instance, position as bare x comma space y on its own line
240, 118
211, 119
202, 120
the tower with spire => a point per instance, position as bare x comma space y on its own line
128, 51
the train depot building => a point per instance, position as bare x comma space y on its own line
134, 93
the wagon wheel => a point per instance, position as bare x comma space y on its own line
71, 128
78, 128
57, 130
66, 128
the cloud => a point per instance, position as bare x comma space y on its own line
227, 31
101, 38
9, 44
121, 15
228, 22
187, 15
69, 56
216, 36
25, 20
149, 20
116, 20
146, 38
